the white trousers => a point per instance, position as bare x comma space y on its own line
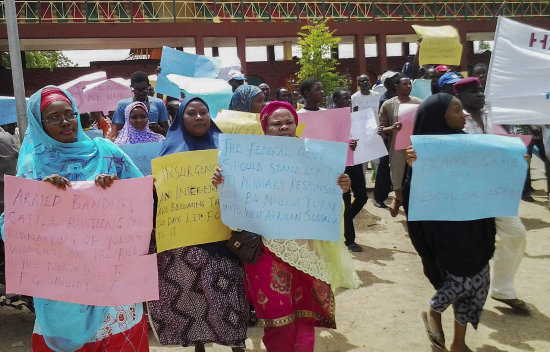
510, 246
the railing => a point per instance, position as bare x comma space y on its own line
88, 11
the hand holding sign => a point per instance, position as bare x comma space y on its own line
82, 245
282, 187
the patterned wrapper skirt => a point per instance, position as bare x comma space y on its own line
202, 299
466, 294
282, 294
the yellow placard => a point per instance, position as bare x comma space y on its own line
440, 45
188, 211
238, 122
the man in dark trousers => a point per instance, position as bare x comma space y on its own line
342, 99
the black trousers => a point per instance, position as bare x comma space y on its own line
382, 186
540, 145
359, 188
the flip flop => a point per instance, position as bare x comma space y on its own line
433, 335
515, 303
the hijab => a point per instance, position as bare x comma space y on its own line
430, 117
178, 139
462, 248
270, 108
242, 98
67, 326
129, 135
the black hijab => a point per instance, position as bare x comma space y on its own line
430, 117
462, 248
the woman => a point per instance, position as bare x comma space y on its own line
290, 284
136, 126
390, 126
248, 99
455, 254
57, 151
187, 275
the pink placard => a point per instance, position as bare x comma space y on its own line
525, 138
329, 125
406, 115
84, 245
105, 95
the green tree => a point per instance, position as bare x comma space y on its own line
483, 46
317, 42
41, 59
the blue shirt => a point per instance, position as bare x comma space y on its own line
157, 110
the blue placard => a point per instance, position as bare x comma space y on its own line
466, 177
421, 88
8, 114
142, 154
190, 65
280, 187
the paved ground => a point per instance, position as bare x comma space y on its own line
384, 313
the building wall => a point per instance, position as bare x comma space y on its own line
275, 74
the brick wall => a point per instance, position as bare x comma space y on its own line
275, 74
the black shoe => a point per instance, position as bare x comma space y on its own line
379, 205
527, 198
354, 247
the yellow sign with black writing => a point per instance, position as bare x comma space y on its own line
188, 211
238, 122
440, 45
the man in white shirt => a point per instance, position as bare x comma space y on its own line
365, 98
312, 91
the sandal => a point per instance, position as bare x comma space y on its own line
436, 338
394, 207
515, 303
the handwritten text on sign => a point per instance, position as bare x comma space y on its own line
282, 187
466, 177
142, 154
188, 211
84, 245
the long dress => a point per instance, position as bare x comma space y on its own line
202, 298
63, 326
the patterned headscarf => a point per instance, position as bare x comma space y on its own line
242, 98
270, 109
129, 135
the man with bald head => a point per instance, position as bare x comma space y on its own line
266, 90
283, 94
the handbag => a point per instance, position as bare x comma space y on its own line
245, 245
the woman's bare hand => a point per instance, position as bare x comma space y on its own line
105, 180
58, 181
217, 178
411, 155
344, 182
353, 144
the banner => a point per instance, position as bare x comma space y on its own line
519, 45
370, 145
406, 115
142, 154
440, 45
329, 125
188, 210
83, 245
466, 177
281, 187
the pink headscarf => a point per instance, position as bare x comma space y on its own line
270, 109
